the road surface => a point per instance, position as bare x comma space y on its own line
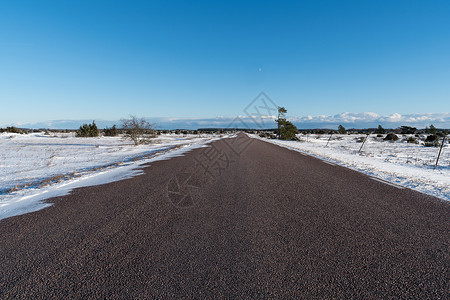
240, 219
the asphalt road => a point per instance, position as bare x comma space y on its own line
240, 219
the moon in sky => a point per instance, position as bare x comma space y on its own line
259, 70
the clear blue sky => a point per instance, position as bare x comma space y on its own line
198, 59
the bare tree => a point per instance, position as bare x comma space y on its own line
138, 130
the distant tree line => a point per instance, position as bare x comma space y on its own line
139, 131
13, 129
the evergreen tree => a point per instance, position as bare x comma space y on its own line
281, 117
433, 130
286, 130
408, 129
93, 129
88, 130
381, 130
111, 131
341, 129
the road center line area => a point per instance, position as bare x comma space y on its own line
239, 219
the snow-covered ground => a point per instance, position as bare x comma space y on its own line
35, 167
402, 163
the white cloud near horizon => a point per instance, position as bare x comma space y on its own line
370, 118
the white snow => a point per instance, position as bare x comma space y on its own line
400, 163
35, 167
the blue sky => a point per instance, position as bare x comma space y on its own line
105, 60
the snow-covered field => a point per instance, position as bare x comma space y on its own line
402, 163
34, 167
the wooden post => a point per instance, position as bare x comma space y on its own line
363, 142
440, 149
329, 140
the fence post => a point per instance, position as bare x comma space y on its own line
329, 140
440, 149
363, 142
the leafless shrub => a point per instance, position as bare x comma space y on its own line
138, 130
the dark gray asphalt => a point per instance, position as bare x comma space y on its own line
263, 222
